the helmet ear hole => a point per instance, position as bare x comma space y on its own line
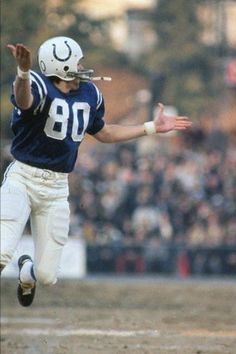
42, 66
66, 68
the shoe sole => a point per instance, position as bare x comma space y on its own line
24, 298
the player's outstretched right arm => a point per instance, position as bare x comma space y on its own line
22, 88
162, 123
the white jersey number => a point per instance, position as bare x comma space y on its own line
57, 123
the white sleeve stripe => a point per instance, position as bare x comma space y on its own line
39, 87
97, 93
99, 97
40, 81
100, 102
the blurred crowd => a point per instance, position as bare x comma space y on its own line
160, 191
172, 190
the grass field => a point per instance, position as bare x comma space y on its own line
124, 315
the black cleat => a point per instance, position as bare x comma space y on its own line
25, 291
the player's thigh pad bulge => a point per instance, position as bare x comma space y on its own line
60, 222
13, 202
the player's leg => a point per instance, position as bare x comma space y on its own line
50, 227
15, 211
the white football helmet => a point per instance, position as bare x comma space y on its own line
60, 56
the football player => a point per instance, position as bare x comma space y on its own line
53, 110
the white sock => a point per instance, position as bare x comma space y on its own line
26, 275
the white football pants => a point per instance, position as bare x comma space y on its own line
41, 195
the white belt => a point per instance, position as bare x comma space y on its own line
39, 172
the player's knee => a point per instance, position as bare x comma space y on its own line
5, 258
45, 278
2, 266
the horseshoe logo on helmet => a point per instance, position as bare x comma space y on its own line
62, 59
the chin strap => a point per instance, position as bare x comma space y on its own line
87, 74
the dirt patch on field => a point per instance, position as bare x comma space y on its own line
152, 316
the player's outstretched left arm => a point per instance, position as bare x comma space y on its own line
162, 123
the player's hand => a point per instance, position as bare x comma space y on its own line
22, 55
165, 123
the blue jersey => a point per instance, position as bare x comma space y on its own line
48, 134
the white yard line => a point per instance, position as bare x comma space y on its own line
60, 332
45, 328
